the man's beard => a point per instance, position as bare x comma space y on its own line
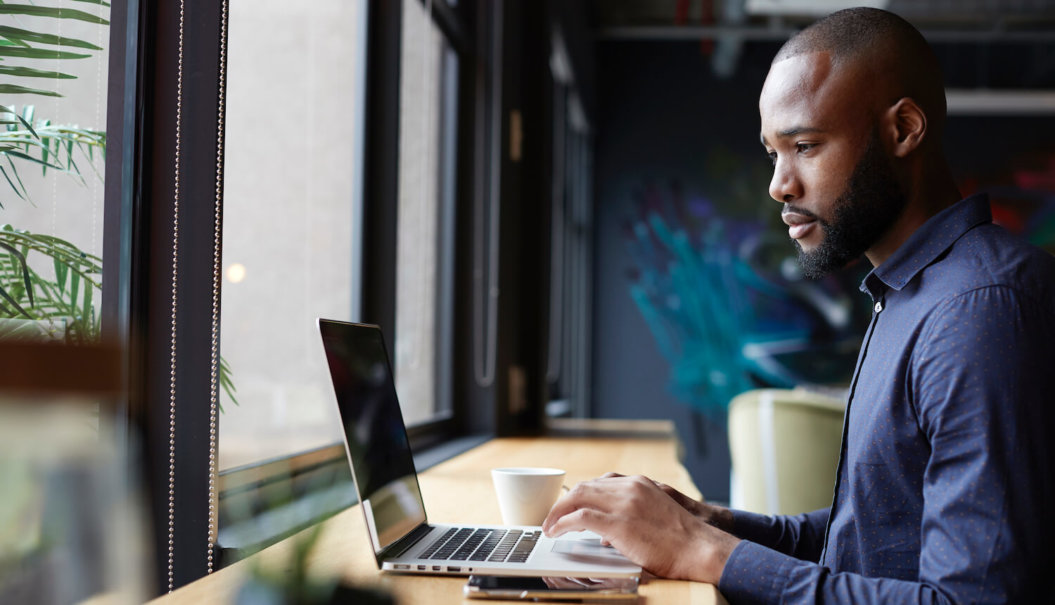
862, 214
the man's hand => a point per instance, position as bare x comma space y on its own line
667, 534
720, 517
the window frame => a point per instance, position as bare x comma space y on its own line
447, 434
145, 40
381, 188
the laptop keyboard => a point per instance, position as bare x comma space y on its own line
492, 545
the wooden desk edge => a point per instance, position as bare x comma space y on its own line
343, 548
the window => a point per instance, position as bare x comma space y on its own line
425, 232
292, 218
53, 92
63, 465
568, 372
309, 224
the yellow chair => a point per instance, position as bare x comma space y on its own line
784, 446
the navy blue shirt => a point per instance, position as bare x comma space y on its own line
946, 483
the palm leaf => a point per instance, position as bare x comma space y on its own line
17, 178
52, 142
13, 303
14, 187
14, 33
25, 268
61, 271
29, 72
29, 158
47, 11
87, 310
16, 89
68, 292
226, 383
26, 120
11, 42
25, 276
21, 141
50, 301
21, 52
75, 286
69, 157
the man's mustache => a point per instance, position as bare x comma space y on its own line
789, 209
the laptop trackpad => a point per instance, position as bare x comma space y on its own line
587, 549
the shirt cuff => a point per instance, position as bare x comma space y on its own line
752, 526
755, 574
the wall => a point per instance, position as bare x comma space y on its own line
659, 109
667, 128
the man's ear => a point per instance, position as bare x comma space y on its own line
908, 125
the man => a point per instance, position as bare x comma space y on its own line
944, 489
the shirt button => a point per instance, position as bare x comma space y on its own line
879, 306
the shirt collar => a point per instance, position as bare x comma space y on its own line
928, 242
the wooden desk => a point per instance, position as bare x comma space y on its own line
460, 491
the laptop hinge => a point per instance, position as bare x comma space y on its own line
397, 548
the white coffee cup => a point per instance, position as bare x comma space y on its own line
526, 494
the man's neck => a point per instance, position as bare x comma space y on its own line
933, 190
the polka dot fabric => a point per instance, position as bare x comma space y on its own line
946, 483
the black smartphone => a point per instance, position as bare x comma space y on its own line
533, 588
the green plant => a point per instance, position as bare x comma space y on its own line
44, 144
66, 294
17, 43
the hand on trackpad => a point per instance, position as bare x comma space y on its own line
588, 547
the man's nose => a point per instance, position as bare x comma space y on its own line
784, 186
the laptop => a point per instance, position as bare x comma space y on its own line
401, 535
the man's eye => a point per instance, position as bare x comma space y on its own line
772, 155
803, 147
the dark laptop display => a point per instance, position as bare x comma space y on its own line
383, 468
382, 463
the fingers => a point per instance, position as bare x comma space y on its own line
586, 494
598, 497
583, 519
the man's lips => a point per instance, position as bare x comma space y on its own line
799, 224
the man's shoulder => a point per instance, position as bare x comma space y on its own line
990, 256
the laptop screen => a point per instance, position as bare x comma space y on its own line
374, 433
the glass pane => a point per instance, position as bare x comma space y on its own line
52, 173
291, 224
425, 225
63, 483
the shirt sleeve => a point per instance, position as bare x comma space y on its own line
756, 574
800, 536
984, 380
980, 386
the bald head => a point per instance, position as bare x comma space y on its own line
889, 52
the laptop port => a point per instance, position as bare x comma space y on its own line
400, 566
422, 567
454, 569
437, 567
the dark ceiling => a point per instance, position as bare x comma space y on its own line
982, 44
